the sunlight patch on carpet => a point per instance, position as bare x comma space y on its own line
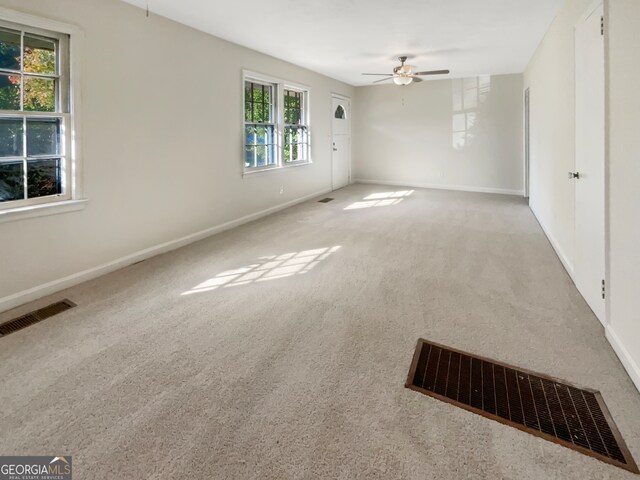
266, 268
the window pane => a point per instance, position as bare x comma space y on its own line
248, 102
258, 103
292, 107
39, 55
9, 49
262, 135
43, 136
266, 103
293, 135
44, 177
259, 113
270, 134
265, 135
259, 134
11, 138
271, 156
249, 157
11, 181
264, 155
294, 152
39, 94
9, 92
261, 155
295, 146
250, 135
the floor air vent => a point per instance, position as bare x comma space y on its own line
325, 200
34, 317
543, 406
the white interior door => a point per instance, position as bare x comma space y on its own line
341, 142
589, 266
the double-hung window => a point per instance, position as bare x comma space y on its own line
296, 136
34, 116
260, 124
276, 124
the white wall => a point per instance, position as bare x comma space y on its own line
161, 145
550, 78
623, 67
459, 134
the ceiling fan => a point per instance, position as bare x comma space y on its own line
404, 74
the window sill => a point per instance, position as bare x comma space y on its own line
267, 171
44, 209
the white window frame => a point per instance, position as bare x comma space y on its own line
280, 86
72, 197
304, 121
275, 99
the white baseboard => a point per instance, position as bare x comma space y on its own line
629, 364
632, 368
568, 266
54, 286
459, 188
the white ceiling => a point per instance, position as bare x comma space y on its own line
343, 38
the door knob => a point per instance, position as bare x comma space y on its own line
335, 149
573, 175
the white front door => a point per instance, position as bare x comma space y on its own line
341, 142
589, 264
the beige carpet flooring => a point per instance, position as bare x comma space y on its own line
280, 349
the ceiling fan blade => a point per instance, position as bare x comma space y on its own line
432, 72
384, 79
385, 74
416, 79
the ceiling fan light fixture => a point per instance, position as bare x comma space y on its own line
403, 74
402, 80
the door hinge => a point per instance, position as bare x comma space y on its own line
604, 291
602, 25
